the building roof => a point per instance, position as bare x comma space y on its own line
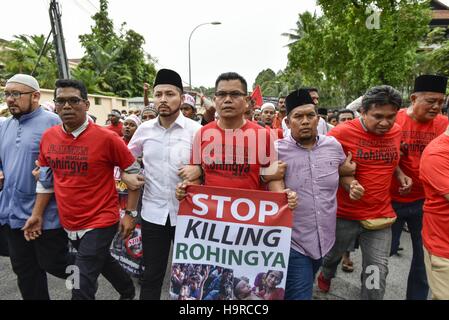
438, 5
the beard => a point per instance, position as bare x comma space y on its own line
165, 114
19, 113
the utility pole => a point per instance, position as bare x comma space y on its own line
58, 40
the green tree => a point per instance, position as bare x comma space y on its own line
118, 60
21, 56
343, 53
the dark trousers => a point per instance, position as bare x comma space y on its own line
32, 260
412, 213
94, 258
156, 241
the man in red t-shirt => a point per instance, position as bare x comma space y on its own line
82, 157
277, 123
234, 152
374, 141
420, 124
116, 125
434, 174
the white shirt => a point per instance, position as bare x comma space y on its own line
164, 151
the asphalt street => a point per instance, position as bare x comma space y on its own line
346, 286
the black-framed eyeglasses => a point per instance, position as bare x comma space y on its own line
232, 94
15, 94
73, 101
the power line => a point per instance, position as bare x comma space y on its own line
83, 8
94, 6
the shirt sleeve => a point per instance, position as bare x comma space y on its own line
436, 173
341, 153
41, 158
136, 143
195, 156
41, 189
120, 154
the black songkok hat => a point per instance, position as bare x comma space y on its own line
166, 76
297, 98
430, 83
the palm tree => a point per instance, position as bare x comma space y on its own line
303, 24
21, 56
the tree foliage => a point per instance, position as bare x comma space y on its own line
21, 56
118, 60
344, 53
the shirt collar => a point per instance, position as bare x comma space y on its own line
292, 140
76, 133
363, 124
30, 115
180, 121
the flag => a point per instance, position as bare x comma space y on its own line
257, 96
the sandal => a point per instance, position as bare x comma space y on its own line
347, 266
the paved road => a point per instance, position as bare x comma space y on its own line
344, 287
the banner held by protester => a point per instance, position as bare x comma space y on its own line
230, 240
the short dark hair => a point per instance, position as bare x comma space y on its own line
339, 112
331, 118
322, 111
380, 96
69, 83
228, 76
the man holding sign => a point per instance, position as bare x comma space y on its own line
234, 152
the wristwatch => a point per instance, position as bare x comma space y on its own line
131, 213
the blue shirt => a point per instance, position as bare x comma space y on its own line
19, 149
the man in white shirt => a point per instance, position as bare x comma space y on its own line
165, 143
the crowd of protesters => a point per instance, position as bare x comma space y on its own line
353, 177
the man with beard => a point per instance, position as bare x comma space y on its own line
315, 164
37, 243
420, 123
165, 143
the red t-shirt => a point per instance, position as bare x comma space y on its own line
434, 174
415, 137
376, 157
83, 173
233, 158
277, 132
117, 129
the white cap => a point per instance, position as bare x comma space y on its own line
134, 118
188, 99
266, 106
25, 80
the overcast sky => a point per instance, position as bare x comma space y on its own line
248, 41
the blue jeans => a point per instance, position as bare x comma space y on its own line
412, 213
300, 276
